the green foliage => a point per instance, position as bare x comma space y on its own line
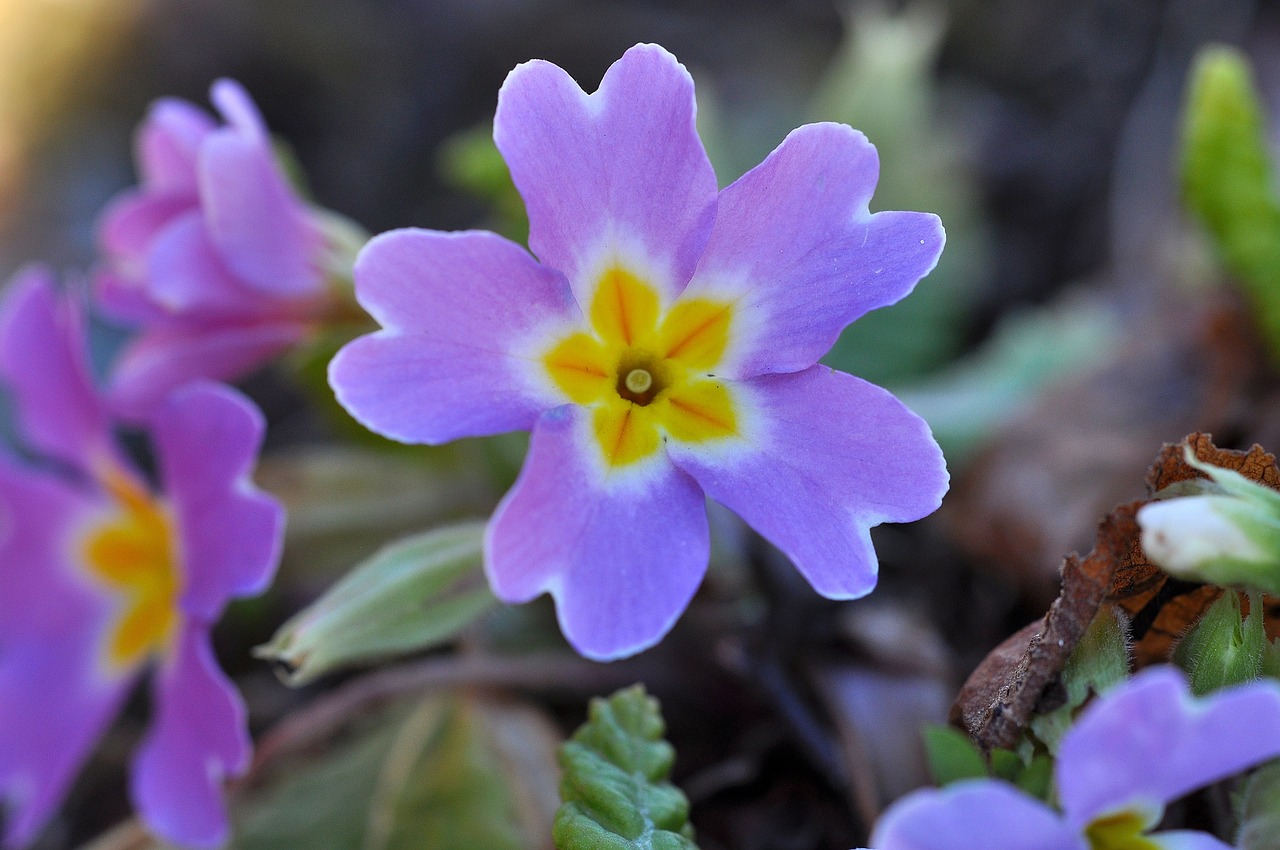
1228, 180
952, 755
1099, 662
1258, 810
615, 789
442, 773
1222, 649
414, 594
966, 402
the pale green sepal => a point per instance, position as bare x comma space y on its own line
1258, 810
615, 789
1222, 650
414, 594
1099, 662
1227, 177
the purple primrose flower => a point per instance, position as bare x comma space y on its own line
101, 578
214, 257
663, 347
1132, 751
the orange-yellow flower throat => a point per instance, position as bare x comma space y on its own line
644, 373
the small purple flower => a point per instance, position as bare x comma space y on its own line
1132, 751
214, 257
101, 578
662, 348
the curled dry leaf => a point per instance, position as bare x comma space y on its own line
1019, 678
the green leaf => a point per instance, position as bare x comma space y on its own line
1258, 810
1227, 178
416, 593
952, 755
441, 773
1222, 650
470, 161
1099, 662
1029, 350
615, 789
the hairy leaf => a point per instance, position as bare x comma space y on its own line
416, 593
1258, 810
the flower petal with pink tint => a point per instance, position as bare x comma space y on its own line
622, 553
132, 221
207, 438
981, 813
186, 275
198, 738
161, 359
167, 144
1149, 742
260, 227
825, 457
616, 175
56, 698
44, 365
798, 252
1185, 840
459, 311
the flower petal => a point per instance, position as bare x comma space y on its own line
167, 145
207, 439
1186, 840
41, 594
1149, 741
463, 314
131, 221
187, 275
621, 552
160, 359
795, 246
825, 456
197, 738
618, 176
978, 813
238, 109
56, 695
259, 225
44, 365
54, 705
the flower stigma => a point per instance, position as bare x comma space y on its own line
647, 374
638, 381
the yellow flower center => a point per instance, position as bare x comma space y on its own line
132, 552
644, 373
1121, 831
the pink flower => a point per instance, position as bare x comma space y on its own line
104, 577
213, 257
662, 347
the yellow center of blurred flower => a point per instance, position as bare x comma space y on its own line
1122, 831
133, 553
645, 373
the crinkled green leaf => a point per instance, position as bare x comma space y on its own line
615, 789
952, 755
414, 594
1099, 662
441, 773
1258, 810
1227, 177
1222, 649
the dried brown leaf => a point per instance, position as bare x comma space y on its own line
1018, 678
